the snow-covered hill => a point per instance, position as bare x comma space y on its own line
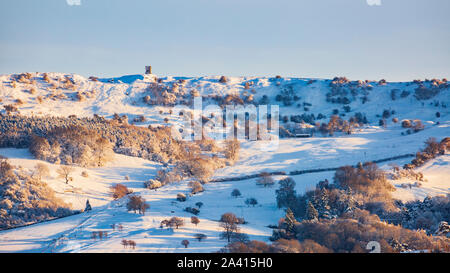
68, 94
73, 234
125, 95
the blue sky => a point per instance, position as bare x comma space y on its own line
399, 40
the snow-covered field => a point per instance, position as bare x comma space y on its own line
437, 174
73, 234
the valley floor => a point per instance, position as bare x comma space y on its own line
73, 234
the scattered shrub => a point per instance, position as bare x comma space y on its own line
153, 184
119, 191
200, 236
251, 202
265, 180
25, 199
41, 170
236, 193
181, 197
185, 243
196, 187
195, 220
192, 210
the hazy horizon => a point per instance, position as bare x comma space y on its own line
399, 41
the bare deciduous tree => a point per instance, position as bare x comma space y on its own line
41, 170
228, 222
185, 243
64, 172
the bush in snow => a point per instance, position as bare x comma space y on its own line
192, 210
153, 184
406, 123
240, 237
119, 190
185, 243
181, 197
139, 119
236, 193
57, 139
248, 247
424, 93
176, 222
231, 149
196, 187
10, 108
265, 180
432, 149
130, 243
200, 236
251, 202
195, 220
73, 145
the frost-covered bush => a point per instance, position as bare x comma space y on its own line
265, 180
200, 236
10, 108
426, 214
355, 230
172, 222
424, 93
73, 145
200, 168
195, 211
251, 202
406, 123
231, 150
153, 184
181, 197
432, 149
337, 124
196, 187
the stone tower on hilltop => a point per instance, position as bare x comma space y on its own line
148, 70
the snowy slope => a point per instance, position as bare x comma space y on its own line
437, 175
318, 152
74, 233
124, 96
